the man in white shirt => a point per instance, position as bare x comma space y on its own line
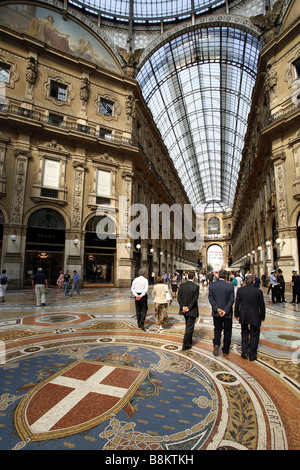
139, 289
273, 283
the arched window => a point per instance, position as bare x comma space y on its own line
213, 226
103, 224
47, 218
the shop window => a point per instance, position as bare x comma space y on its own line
99, 256
98, 269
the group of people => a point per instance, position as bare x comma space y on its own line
277, 287
249, 309
40, 284
188, 294
64, 281
241, 298
248, 306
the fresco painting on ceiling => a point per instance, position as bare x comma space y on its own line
65, 35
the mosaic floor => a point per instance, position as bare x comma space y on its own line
78, 374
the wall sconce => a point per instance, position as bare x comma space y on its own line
151, 250
76, 241
13, 238
268, 243
280, 242
128, 245
138, 246
161, 253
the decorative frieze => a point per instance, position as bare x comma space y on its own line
18, 195
3, 145
78, 197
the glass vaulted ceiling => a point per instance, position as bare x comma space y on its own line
198, 87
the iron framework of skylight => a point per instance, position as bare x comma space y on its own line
150, 10
198, 87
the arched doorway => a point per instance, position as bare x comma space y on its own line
215, 257
99, 253
45, 243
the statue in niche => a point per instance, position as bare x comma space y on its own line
271, 78
267, 21
85, 89
31, 70
130, 106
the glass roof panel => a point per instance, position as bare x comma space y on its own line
198, 87
152, 10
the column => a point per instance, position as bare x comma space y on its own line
14, 236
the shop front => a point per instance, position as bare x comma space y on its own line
99, 256
45, 244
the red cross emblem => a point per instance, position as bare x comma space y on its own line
77, 398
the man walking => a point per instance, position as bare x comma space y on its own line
139, 289
188, 302
221, 298
39, 283
250, 311
76, 283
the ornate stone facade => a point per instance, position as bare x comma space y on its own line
76, 134
266, 212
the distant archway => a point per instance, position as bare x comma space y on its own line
215, 257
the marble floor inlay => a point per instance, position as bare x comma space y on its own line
78, 374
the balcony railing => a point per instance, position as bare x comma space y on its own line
217, 235
37, 116
282, 113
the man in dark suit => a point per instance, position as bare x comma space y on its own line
188, 302
221, 298
250, 310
